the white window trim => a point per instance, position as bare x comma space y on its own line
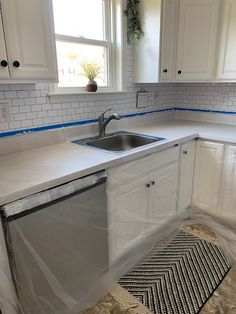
117, 69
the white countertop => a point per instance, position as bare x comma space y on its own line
31, 171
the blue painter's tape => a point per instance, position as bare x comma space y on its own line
47, 127
76, 123
85, 122
205, 110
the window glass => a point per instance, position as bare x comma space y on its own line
80, 18
71, 55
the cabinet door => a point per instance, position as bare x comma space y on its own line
127, 216
198, 20
146, 58
228, 202
187, 162
227, 60
29, 34
4, 70
168, 42
162, 195
208, 169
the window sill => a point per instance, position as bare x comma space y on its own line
85, 96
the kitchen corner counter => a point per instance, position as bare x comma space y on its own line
31, 171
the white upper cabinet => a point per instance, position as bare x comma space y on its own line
227, 60
198, 21
30, 41
186, 40
4, 70
146, 59
168, 39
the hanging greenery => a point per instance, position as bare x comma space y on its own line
134, 28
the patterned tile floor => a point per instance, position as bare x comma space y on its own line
223, 300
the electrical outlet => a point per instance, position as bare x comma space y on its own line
4, 112
142, 99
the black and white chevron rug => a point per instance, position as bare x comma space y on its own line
177, 279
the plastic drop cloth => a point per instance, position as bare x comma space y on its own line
67, 256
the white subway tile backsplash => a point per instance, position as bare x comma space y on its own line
35, 93
9, 95
15, 125
25, 108
30, 101
30, 106
46, 107
20, 116
17, 102
26, 123
31, 115
37, 122
36, 107
23, 94
4, 87
42, 114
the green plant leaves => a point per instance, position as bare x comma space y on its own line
91, 70
134, 28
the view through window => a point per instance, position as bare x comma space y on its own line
83, 34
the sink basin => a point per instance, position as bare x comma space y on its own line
120, 141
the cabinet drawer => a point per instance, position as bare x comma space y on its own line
141, 167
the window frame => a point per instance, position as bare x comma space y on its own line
115, 46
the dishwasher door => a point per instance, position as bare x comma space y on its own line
58, 250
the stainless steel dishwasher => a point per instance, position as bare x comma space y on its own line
57, 244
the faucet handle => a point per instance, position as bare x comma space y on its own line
101, 117
106, 111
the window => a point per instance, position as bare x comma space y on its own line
87, 31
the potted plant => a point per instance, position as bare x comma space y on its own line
91, 70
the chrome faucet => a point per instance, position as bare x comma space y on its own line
102, 122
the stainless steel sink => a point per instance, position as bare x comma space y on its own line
120, 141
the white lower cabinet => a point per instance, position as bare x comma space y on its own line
227, 205
145, 192
187, 163
162, 194
140, 195
208, 170
127, 215
215, 178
